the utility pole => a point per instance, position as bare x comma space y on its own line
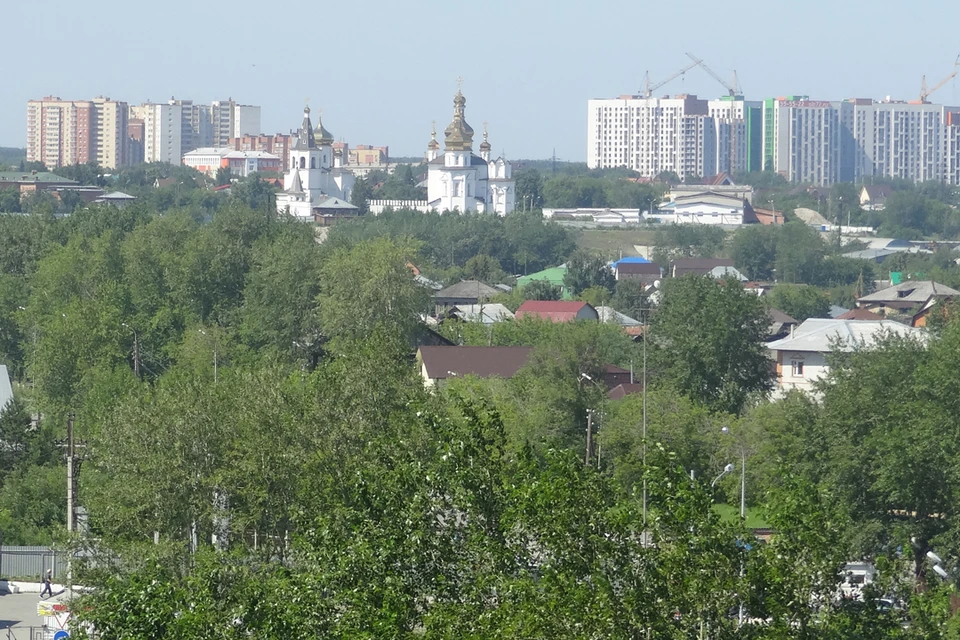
136, 354
73, 471
586, 457
71, 457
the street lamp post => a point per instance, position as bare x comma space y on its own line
587, 454
741, 614
727, 469
743, 477
215, 358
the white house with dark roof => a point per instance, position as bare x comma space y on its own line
801, 357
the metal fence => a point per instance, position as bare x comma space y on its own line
31, 562
27, 633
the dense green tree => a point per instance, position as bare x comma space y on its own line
585, 271
630, 298
540, 290
799, 301
89, 173
708, 337
687, 241
9, 200
800, 252
484, 268
369, 288
754, 251
361, 195
888, 412
223, 177
529, 189
279, 313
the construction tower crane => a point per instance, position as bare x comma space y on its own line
733, 88
925, 92
648, 90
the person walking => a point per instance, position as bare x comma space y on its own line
47, 584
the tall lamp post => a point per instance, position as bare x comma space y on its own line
743, 477
590, 412
741, 614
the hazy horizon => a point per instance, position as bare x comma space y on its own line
382, 71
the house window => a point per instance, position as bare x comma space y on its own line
796, 367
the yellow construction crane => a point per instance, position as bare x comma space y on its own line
648, 90
733, 88
925, 92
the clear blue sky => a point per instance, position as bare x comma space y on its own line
381, 70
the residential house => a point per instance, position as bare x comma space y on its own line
119, 199
723, 272
699, 266
614, 376
465, 292
333, 210
553, 275
621, 391
707, 207
859, 314
780, 324
909, 298
557, 310
439, 364
488, 313
646, 272
873, 197
801, 358
631, 326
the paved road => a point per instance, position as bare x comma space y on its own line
18, 610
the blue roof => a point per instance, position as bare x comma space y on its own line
631, 260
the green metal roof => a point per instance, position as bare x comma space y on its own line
26, 176
553, 275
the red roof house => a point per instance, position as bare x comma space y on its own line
557, 310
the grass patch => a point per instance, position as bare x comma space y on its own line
610, 243
731, 513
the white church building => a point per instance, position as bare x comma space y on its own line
315, 175
457, 178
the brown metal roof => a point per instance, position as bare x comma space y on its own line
484, 362
638, 268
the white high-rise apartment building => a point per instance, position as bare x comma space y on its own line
901, 140
232, 120
809, 140
854, 140
162, 131
180, 126
652, 135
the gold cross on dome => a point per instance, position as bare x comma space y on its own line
459, 82
307, 100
